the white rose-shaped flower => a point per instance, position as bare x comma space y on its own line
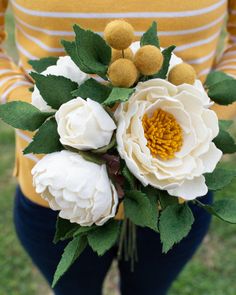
81, 190
84, 124
165, 135
65, 67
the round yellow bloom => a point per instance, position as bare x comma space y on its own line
119, 34
182, 73
148, 60
116, 54
122, 73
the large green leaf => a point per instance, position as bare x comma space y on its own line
71, 253
150, 36
22, 115
93, 51
225, 124
225, 142
129, 177
46, 140
223, 209
223, 92
55, 90
167, 52
64, 229
94, 90
104, 237
118, 95
175, 224
71, 50
42, 64
219, 178
166, 200
215, 77
140, 209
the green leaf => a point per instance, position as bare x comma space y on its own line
93, 51
129, 177
223, 209
118, 95
225, 142
88, 156
215, 77
55, 90
219, 178
140, 210
225, 124
70, 254
22, 115
42, 64
104, 237
175, 224
84, 230
166, 200
150, 36
46, 140
93, 90
71, 50
223, 92
106, 148
162, 74
64, 229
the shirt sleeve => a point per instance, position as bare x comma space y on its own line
227, 62
14, 84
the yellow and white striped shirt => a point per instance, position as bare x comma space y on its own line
193, 26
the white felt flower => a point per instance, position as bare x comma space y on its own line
79, 189
65, 67
165, 135
84, 124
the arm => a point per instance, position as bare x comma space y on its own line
13, 83
227, 62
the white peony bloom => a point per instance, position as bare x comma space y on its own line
165, 135
65, 67
81, 190
84, 124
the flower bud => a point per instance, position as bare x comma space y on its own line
182, 73
148, 60
119, 34
122, 73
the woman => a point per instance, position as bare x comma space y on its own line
194, 26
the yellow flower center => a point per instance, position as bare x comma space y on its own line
163, 133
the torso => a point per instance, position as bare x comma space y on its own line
193, 26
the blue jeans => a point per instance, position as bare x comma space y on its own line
153, 274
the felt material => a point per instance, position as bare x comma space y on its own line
119, 34
123, 73
182, 73
116, 54
148, 60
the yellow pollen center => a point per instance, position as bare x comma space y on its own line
163, 133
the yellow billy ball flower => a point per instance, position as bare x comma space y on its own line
127, 53
123, 73
148, 60
182, 73
119, 34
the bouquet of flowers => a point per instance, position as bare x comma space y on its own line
125, 126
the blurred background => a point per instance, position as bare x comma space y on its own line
212, 271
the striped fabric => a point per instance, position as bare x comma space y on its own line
194, 26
